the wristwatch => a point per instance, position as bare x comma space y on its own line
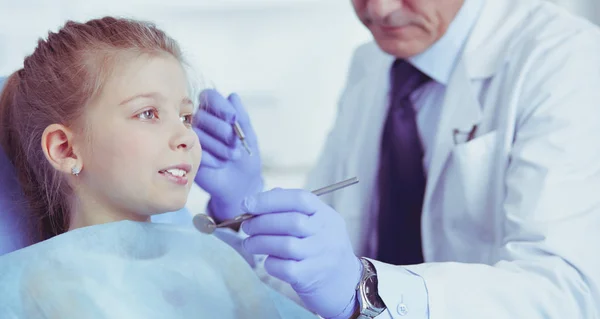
370, 305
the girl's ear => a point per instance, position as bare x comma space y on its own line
57, 144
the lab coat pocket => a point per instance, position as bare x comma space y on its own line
471, 170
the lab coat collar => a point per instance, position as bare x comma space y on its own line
488, 44
439, 60
482, 54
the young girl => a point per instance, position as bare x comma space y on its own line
98, 126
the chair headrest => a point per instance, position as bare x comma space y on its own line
12, 212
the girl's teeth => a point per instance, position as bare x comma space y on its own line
176, 172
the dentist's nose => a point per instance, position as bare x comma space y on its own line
378, 10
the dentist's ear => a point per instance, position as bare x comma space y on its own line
57, 144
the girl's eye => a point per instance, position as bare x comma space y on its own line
187, 119
148, 115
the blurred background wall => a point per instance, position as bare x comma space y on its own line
286, 58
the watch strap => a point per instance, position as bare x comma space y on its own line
366, 311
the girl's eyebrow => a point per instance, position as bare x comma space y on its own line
156, 96
152, 95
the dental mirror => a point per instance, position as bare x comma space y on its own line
206, 224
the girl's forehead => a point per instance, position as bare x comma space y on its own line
149, 76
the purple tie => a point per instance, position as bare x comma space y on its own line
401, 178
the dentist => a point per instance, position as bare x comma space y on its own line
474, 128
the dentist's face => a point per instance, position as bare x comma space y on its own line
404, 28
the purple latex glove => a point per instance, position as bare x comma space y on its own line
227, 172
307, 246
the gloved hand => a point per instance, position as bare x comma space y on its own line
307, 246
227, 172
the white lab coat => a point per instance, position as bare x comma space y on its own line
511, 219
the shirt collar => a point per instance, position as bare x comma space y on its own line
439, 60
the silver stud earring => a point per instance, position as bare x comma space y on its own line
75, 170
